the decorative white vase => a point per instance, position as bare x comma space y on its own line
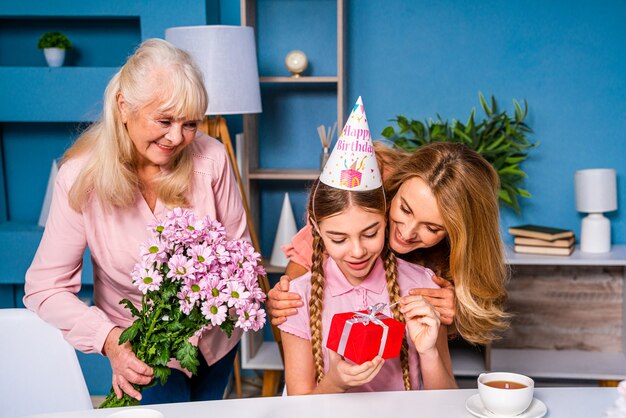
54, 56
286, 230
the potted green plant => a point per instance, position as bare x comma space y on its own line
54, 45
499, 138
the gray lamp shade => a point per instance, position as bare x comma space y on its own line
227, 57
596, 190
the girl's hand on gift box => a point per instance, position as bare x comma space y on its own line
126, 367
343, 375
422, 321
281, 303
442, 299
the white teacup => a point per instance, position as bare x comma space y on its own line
505, 394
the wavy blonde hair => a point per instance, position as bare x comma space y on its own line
111, 170
324, 202
466, 188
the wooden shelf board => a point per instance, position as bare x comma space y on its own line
267, 357
300, 80
466, 362
284, 174
270, 268
617, 257
560, 364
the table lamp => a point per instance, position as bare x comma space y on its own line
227, 57
596, 193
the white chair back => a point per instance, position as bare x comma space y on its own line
39, 370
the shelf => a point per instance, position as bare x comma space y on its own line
570, 364
617, 257
19, 244
299, 80
266, 356
284, 174
73, 94
270, 268
466, 362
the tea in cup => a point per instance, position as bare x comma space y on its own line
505, 394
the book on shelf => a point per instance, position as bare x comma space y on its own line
562, 243
531, 249
540, 232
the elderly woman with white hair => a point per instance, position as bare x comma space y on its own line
143, 157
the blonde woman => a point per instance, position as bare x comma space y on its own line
143, 157
443, 215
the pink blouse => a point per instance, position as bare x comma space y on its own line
341, 296
114, 236
300, 249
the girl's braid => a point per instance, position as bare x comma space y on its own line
391, 272
316, 304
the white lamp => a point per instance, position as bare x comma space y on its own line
227, 57
596, 193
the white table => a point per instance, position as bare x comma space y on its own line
583, 402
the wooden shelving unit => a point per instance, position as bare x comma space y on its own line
538, 363
257, 353
567, 364
283, 174
299, 80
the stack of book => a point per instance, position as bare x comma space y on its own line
535, 239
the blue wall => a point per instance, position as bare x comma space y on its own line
567, 59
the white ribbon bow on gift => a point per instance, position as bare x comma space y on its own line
372, 315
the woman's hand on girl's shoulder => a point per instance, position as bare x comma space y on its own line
343, 375
442, 299
422, 321
281, 303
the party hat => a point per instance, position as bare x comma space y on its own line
285, 232
352, 164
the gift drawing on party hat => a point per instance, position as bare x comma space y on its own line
352, 164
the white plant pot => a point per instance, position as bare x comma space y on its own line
54, 56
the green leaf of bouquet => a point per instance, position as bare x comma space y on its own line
227, 326
163, 356
187, 356
130, 333
174, 326
161, 373
129, 305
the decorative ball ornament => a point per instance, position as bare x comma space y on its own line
296, 62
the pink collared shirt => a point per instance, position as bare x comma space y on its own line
300, 249
341, 296
114, 236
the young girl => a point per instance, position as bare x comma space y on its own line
361, 270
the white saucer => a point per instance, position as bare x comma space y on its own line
475, 406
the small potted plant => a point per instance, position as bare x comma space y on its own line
54, 45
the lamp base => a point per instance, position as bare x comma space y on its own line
595, 234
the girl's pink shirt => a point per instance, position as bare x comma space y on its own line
341, 296
114, 236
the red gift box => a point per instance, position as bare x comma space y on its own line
360, 336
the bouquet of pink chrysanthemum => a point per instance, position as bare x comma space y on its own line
192, 278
